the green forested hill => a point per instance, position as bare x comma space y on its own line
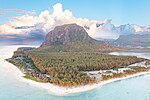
84, 61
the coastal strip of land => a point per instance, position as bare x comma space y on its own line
57, 90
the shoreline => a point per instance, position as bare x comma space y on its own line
62, 91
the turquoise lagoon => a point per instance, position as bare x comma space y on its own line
11, 88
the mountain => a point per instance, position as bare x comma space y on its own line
133, 40
65, 34
107, 30
132, 29
72, 37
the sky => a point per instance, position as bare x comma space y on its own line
25, 21
120, 11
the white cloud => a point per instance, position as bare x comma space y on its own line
47, 21
18, 11
106, 30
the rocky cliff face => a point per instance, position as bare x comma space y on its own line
66, 34
70, 38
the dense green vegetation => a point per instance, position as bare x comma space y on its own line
68, 76
84, 61
64, 76
66, 68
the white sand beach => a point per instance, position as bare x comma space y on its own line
57, 90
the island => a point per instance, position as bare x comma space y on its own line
69, 57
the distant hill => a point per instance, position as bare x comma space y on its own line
133, 40
72, 37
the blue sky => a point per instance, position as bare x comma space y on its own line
120, 11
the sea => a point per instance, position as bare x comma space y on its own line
11, 88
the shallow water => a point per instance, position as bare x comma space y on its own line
11, 88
